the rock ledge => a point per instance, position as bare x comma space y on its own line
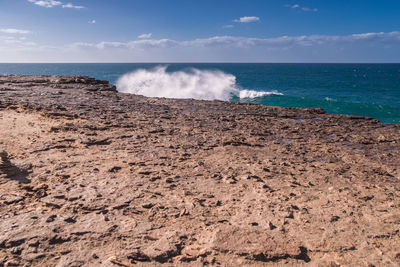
93, 177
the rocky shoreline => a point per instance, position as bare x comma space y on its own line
93, 177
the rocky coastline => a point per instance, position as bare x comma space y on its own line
93, 177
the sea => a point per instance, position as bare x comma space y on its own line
371, 90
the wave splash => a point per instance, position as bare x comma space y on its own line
255, 94
192, 83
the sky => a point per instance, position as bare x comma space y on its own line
200, 31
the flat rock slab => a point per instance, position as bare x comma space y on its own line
93, 177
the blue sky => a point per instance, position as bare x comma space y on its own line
199, 31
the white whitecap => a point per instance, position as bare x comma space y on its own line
330, 99
193, 83
255, 94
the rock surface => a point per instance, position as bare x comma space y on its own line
92, 177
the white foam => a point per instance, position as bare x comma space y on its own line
330, 99
255, 94
193, 83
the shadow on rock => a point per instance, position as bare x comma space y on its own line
12, 172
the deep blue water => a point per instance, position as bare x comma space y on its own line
371, 90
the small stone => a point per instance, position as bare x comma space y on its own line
115, 169
148, 205
16, 250
153, 179
335, 218
271, 226
12, 263
51, 218
381, 138
183, 212
70, 220
290, 215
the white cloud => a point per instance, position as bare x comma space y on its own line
92, 21
53, 3
69, 5
145, 36
247, 19
228, 26
297, 6
282, 42
139, 44
14, 31
20, 41
46, 3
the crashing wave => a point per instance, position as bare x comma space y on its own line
192, 83
255, 94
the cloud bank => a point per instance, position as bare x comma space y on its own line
282, 42
14, 31
361, 47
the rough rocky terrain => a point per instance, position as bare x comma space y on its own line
92, 177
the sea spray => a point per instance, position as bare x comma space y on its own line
255, 94
192, 83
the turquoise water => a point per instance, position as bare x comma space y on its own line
371, 90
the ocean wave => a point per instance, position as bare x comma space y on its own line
255, 94
191, 83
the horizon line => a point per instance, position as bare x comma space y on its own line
198, 62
